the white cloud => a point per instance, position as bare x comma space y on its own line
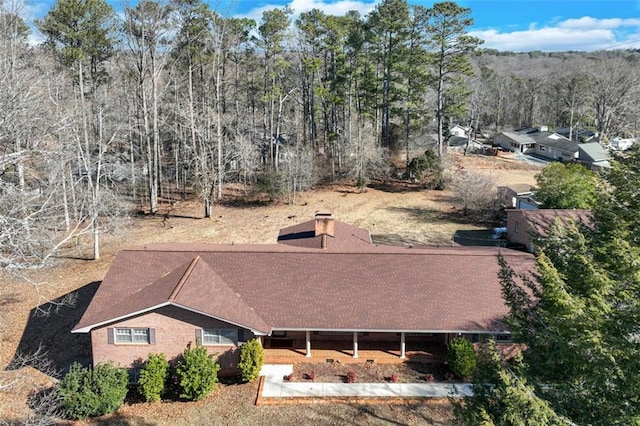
583, 34
588, 23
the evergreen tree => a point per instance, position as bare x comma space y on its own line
450, 50
578, 315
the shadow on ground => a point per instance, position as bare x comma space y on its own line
436, 216
395, 186
397, 240
48, 333
478, 237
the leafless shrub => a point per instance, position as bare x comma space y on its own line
46, 405
475, 190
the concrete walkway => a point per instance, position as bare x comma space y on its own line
275, 387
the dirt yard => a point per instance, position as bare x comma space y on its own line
394, 213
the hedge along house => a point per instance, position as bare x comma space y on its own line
325, 286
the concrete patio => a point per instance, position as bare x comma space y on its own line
274, 386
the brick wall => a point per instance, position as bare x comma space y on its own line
175, 328
518, 229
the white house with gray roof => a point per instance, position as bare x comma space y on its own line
540, 142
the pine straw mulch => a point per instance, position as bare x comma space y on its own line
336, 372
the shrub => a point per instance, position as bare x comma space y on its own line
462, 357
429, 377
310, 376
251, 360
89, 392
288, 377
394, 378
153, 377
351, 376
197, 373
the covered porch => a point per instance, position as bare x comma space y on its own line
355, 347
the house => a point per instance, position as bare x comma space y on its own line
524, 226
517, 141
538, 141
459, 131
512, 196
323, 285
556, 147
593, 156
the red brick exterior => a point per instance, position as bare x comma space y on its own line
175, 328
518, 229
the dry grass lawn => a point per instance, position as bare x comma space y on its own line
393, 213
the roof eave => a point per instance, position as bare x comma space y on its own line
88, 328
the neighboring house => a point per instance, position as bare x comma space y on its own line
538, 141
325, 284
460, 131
524, 226
556, 147
594, 156
510, 197
517, 140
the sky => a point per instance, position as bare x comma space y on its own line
505, 25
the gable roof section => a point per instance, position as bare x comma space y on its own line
520, 138
192, 285
556, 141
592, 152
264, 287
346, 236
540, 220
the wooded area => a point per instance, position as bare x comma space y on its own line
112, 116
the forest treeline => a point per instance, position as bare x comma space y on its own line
171, 99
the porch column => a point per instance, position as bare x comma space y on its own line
355, 344
403, 346
308, 344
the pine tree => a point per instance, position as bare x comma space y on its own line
578, 315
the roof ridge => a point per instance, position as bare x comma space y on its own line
184, 278
377, 249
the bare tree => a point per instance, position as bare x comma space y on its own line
616, 86
146, 27
476, 191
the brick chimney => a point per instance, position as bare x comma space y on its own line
325, 226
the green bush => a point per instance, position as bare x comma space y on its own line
462, 357
153, 377
197, 373
89, 392
251, 360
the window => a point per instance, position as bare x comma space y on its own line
543, 148
223, 336
503, 338
132, 335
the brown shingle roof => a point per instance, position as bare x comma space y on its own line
378, 288
192, 285
346, 236
540, 220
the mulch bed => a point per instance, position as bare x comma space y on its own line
336, 372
